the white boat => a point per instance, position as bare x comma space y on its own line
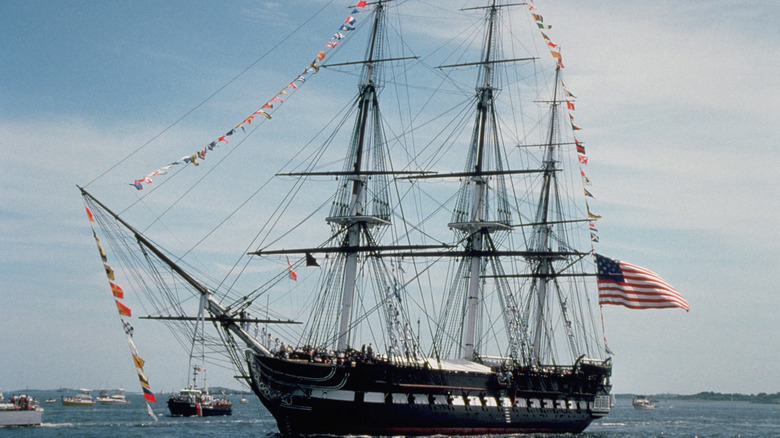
82, 398
642, 402
20, 410
117, 398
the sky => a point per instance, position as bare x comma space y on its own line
676, 99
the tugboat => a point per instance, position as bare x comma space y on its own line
22, 410
193, 402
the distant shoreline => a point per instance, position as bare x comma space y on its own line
762, 397
212, 389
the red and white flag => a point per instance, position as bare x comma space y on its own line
293, 275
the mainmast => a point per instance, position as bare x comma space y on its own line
471, 218
348, 211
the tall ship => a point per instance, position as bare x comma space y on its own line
448, 286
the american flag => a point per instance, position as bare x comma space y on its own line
624, 284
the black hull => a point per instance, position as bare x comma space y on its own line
386, 399
180, 408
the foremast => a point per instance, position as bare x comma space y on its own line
360, 214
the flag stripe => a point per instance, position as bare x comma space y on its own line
652, 302
628, 291
639, 305
639, 296
633, 282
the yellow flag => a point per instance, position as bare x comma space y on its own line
109, 271
139, 363
102, 253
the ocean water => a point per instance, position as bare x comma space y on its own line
670, 419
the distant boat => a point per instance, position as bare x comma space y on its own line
244, 400
21, 410
117, 398
51, 400
82, 398
642, 402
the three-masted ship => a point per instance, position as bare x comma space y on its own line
417, 323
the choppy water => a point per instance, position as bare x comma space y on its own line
670, 419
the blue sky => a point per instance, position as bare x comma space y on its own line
677, 102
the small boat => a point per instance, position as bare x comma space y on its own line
51, 400
642, 402
117, 398
193, 402
21, 410
82, 398
244, 400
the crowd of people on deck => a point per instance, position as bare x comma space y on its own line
324, 356
308, 353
